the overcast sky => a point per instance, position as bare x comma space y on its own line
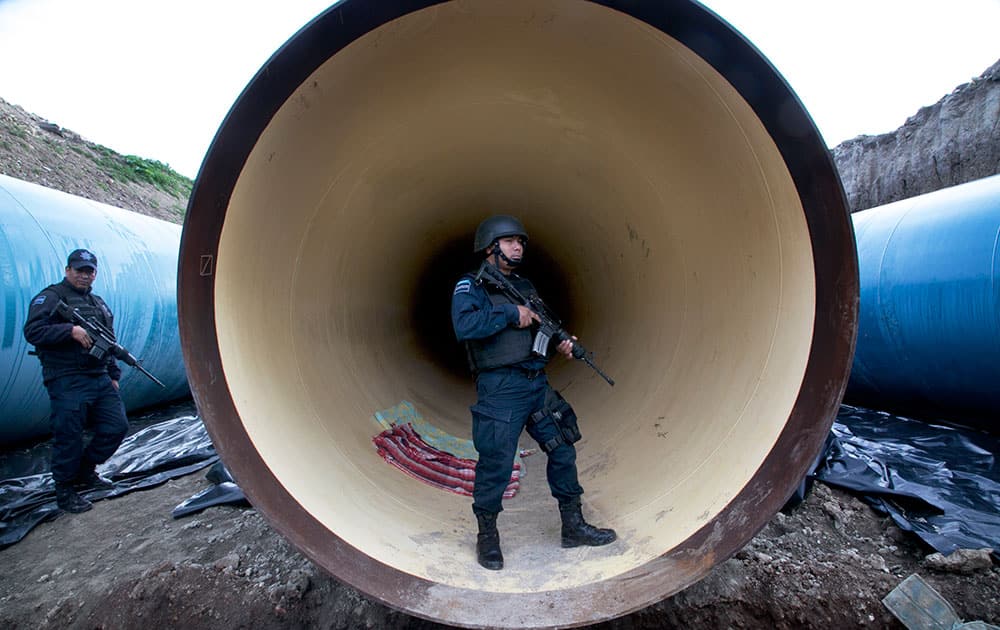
155, 79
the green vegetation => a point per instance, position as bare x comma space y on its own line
132, 168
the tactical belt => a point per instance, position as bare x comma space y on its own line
528, 374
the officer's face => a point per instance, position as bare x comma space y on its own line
513, 248
81, 278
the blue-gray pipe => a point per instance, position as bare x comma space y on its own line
137, 277
929, 327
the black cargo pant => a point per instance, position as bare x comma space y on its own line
507, 398
81, 401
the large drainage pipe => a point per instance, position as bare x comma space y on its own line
137, 260
685, 218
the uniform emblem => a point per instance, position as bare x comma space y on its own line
39, 300
86, 255
464, 286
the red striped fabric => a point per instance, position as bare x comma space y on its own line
402, 447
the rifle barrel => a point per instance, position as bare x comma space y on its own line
599, 371
156, 380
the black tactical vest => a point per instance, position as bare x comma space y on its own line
69, 357
510, 345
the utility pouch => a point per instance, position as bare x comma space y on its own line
563, 417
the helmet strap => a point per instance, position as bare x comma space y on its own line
498, 254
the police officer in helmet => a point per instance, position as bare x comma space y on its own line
513, 393
83, 389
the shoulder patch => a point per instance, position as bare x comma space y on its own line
39, 300
464, 286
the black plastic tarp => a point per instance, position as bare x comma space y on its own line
149, 457
223, 491
938, 481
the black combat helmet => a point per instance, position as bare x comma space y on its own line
497, 226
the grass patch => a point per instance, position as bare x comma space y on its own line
132, 168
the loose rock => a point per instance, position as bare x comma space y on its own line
964, 561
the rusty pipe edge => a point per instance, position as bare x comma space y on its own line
686, 219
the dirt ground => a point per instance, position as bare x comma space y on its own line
128, 564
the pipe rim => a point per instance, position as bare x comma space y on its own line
836, 279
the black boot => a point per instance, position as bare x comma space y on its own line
488, 542
69, 501
90, 480
576, 531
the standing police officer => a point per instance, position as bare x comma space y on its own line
83, 389
513, 391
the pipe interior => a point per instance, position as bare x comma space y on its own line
664, 228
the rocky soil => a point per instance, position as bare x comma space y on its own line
40, 151
127, 564
953, 141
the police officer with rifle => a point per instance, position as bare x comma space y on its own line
72, 331
506, 330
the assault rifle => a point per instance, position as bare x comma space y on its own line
550, 327
104, 340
